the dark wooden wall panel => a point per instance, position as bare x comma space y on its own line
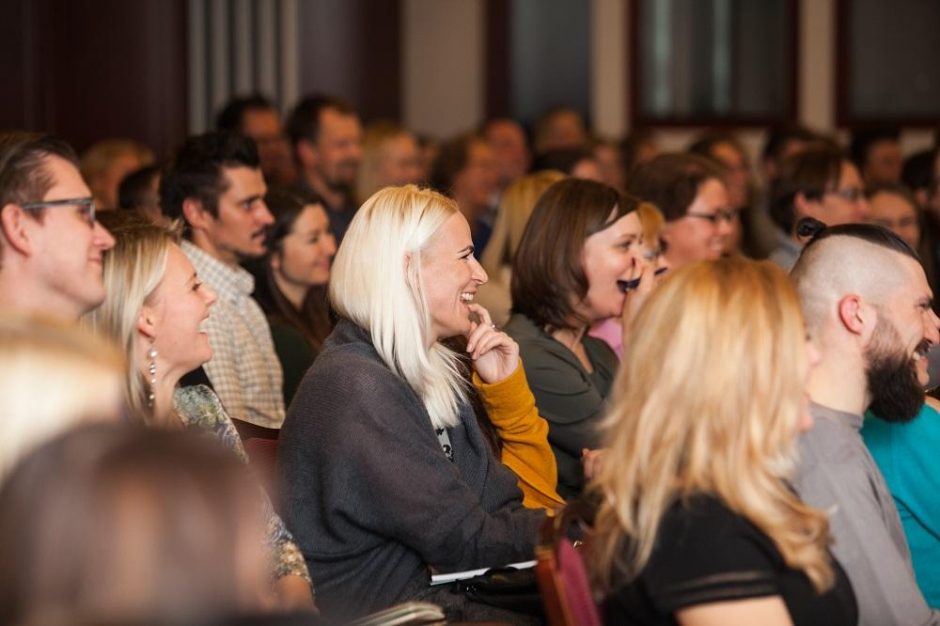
92, 69
352, 49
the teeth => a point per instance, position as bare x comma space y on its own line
466, 297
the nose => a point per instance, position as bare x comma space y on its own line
726, 227
933, 329
478, 274
264, 214
329, 242
209, 295
103, 239
863, 208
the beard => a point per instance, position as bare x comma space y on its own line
897, 395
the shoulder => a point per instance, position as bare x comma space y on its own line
199, 408
706, 552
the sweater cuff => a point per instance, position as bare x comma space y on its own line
509, 393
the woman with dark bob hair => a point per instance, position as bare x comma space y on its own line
291, 281
580, 250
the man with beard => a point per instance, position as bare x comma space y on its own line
215, 185
868, 308
326, 139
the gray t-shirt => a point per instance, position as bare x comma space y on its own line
836, 473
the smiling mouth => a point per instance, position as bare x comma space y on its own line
467, 297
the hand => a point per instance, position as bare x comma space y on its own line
591, 461
293, 593
494, 354
636, 298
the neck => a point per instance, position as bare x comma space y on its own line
22, 296
840, 385
569, 337
164, 413
332, 198
294, 293
204, 243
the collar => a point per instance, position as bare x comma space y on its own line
851, 420
229, 282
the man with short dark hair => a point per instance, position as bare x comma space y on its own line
256, 117
877, 154
867, 307
215, 185
326, 139
51, 246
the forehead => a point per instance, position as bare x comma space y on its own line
727, 153
67, 182
848, 175
913, 285
625, 226
242, 181
887, 203
258, 121
177, 262
452, 237
333, 122
310, 218
712, 194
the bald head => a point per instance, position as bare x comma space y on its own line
860, 259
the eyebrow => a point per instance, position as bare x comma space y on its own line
250, 199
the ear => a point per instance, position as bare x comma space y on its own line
197, 217
147, 322
855, 317
803, 206
306, 152
13, 223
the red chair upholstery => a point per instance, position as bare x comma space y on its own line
562, 576
262, 458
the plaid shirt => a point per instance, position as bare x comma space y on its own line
244, 369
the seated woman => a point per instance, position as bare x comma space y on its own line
291, 280
697, 523
386, 472
154, 307
583, 240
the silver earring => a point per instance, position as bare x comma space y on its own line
153, 376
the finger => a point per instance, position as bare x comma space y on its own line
487, 344
483, 314
478, 331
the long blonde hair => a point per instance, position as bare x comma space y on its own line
133, 269
52, 378
376, 283
707, 400
515, 207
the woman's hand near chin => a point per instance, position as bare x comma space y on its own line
494, 354
635, 298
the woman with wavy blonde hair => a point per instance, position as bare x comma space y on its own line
698, 524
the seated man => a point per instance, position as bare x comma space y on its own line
867, 306
50, 243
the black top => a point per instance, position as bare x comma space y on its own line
706, 553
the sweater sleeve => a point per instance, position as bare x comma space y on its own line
524, 434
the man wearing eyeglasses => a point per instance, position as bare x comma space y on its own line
51, 248
822, 183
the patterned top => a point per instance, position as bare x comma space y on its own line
244, 369
200, 410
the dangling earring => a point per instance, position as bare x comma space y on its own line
153, 375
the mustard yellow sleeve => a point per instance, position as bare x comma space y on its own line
524, 434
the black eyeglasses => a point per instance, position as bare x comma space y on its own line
718, 216
87, 205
